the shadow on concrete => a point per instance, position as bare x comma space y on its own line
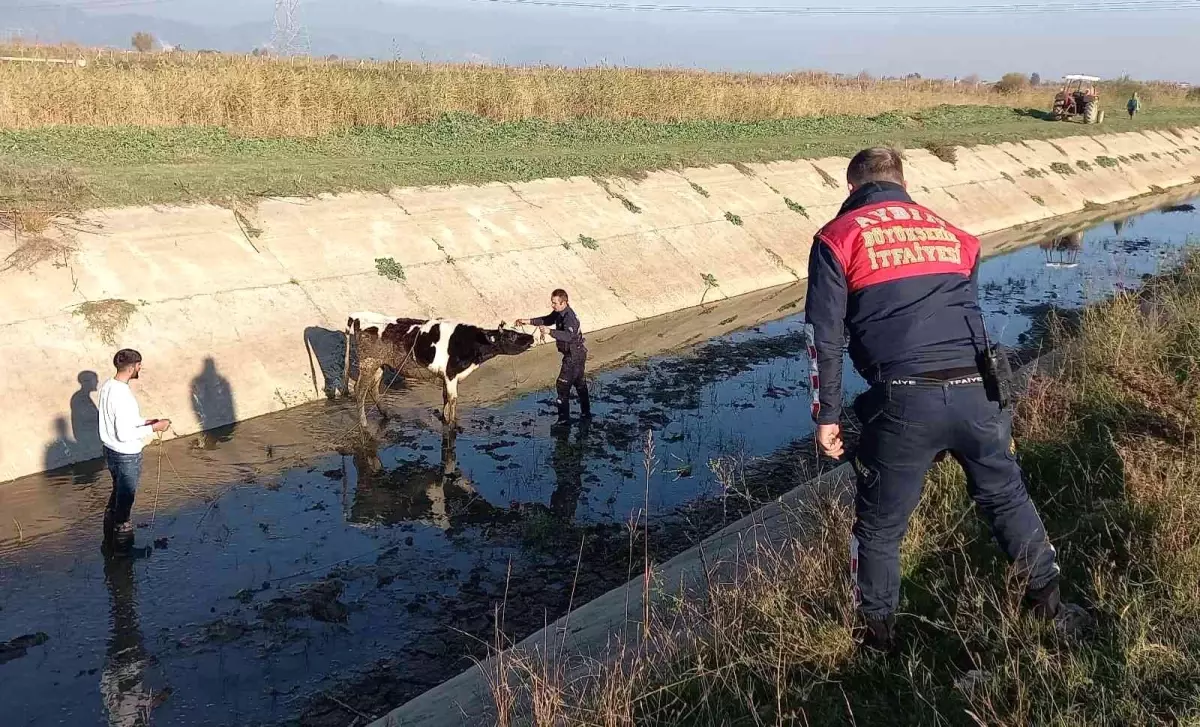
85, 417
76, 448
328, 364
212, 403
327, 353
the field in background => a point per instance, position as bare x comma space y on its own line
264, 97
1109, 448
160, 128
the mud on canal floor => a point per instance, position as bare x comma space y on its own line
285, 583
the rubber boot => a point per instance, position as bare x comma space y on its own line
585, 403
879, 634
1045, 602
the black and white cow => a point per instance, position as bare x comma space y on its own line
447, 349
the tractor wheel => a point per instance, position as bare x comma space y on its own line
1090, 111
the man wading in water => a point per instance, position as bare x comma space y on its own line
569, 339
123, 432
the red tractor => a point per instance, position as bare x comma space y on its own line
1077, 99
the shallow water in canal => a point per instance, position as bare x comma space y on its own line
284, 583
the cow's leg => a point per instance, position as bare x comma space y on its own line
450, 402
346, 367
369, 373
376, 380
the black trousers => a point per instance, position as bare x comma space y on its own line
571, 375
904, 427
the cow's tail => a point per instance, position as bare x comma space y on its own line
312, 362
352, 331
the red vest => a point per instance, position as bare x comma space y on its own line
895, 240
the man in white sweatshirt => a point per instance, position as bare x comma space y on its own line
123, 432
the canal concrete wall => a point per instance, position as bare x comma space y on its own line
238, 309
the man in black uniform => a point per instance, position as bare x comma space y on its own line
569, 340
903, 282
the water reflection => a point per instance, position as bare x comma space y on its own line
567, 460
412, 491
1063, 251
128, 698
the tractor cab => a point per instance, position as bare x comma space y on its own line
1078, 98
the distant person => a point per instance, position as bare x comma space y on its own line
123, 432
903, 283
569, 339
1134, 105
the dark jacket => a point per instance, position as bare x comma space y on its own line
902, 282
566, 333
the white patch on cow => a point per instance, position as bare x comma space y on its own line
464, 374
441, 349
366, 319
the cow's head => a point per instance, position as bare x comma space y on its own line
507, 341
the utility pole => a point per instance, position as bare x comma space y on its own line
290, 36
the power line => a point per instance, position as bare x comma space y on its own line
89, 5
890, 10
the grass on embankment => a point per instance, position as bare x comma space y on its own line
1110, 452
72, 167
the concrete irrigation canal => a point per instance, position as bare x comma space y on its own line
298, 574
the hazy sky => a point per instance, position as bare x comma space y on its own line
1145, 43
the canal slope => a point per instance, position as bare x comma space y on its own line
239, 309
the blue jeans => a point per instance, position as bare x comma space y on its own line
126, 469
904, 426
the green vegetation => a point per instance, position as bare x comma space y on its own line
106, 318
1062, 168
589, 242
795, 206
1082, 164
1107, 162
1038, 199
1034, 173
698, 189
944, 151
1109, 446
389, 268
68, 167
734, 219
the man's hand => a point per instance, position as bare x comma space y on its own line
160, 425
829, 437
520, 322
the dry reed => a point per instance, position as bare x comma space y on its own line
306, 97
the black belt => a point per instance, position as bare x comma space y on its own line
922, 381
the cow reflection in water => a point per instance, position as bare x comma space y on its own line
413, 491
1063, 251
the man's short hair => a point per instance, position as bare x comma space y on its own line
877, 164
125, 358
560, 294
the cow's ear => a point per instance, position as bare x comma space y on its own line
503, 325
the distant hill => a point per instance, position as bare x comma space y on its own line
350, 28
